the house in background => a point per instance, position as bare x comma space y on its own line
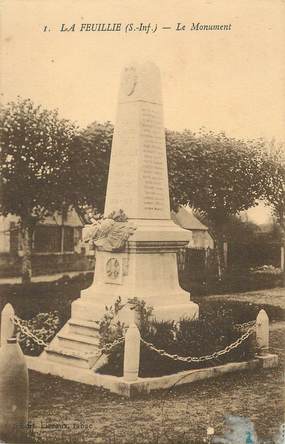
56, 246
197, 259
201, 238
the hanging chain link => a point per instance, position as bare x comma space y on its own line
26, 331
108, 347
246, 325
214, 355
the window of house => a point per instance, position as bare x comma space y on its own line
47, 238
54, 239
14, 238
77, 235
68, 238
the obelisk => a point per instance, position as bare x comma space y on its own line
138, 184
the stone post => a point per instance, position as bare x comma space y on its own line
14, 392
7, 325
262, 332
132, 351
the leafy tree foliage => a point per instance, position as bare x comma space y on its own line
91, 159
274, 190
274, 187
216, 175
48, 165
36, 147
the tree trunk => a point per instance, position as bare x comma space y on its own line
26, 235
225, 248
282, 248
220, 255
282, 259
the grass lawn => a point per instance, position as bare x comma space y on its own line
79, 413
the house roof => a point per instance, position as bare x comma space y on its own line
72, 219
186, 219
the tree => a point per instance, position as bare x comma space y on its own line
274, 189
36, 149
216, 175
92, 159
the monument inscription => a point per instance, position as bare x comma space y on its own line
153, 170
138, 162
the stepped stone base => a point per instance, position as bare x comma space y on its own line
76, 345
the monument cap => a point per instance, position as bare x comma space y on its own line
140, 82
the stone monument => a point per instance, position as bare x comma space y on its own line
137, 184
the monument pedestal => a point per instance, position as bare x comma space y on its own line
147, 270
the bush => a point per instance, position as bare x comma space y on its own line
185, 338
238, 311
266, 269
237, 280
44, 326
43, 297
108, 329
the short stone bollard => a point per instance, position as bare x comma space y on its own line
14, 388
262, 332
7, 325
132, 351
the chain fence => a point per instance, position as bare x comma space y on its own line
24, 329
214, 355
246, 325
109, 347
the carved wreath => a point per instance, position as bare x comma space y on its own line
111, 233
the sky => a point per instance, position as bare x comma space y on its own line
223, 80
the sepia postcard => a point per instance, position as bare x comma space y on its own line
144, 140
